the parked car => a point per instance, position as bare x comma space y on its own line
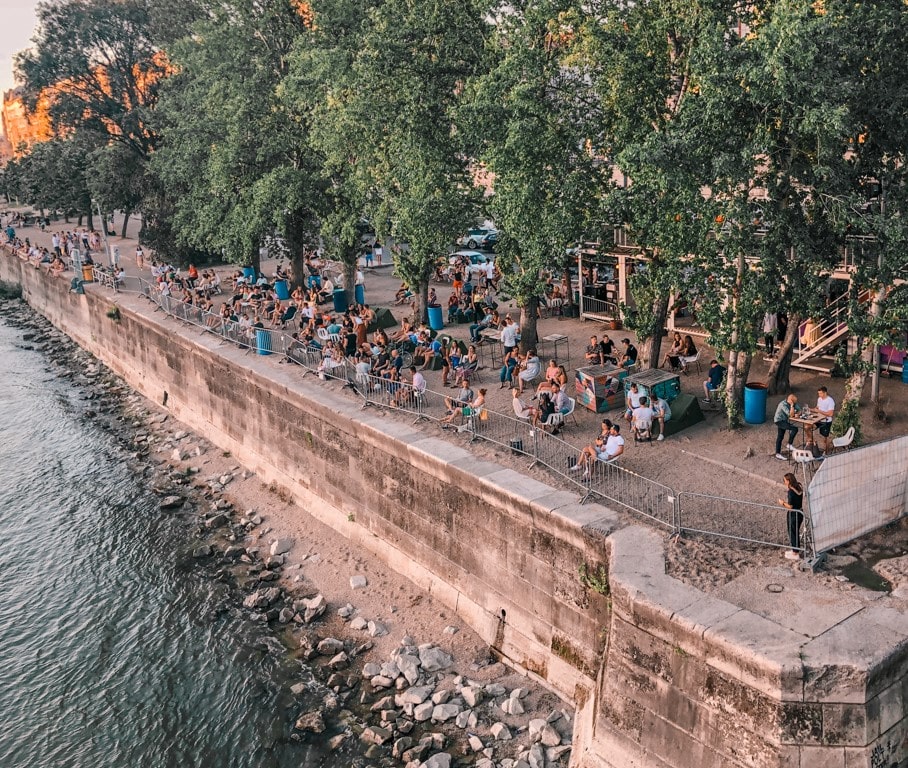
475, 257
480, 237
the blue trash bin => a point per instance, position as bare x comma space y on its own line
755, 394
282, 289
905, 369
314, 281
249, 274
359, 294
436, 318
340, 300
262, 341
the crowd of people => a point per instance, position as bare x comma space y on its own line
344, 341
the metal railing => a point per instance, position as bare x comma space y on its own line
735, 519
696, 513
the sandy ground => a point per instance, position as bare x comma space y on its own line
707, 459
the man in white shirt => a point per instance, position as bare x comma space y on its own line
605, 449
632, 402
510, 335
642, 418
825, 408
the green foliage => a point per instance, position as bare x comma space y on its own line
235, 161
595, 578
529, 121
849, 415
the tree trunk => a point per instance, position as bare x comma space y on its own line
126, 214
422, 301
566, 285
650, 347
298, 267
876, 309
350, 278
529, 337
736, 377
738, 359
778, 379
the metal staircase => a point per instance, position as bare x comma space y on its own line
816, 337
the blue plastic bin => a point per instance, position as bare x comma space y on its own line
755, 394
436, 318
340, 300
249, 274
262, 341
282, 289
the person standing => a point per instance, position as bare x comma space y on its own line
510, 335
794, 503
826, 409
782, 420
770, 326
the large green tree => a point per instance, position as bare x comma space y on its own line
533, 119
405, 85
234, 151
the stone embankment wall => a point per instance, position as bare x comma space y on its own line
661, 674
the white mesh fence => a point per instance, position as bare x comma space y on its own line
859, 491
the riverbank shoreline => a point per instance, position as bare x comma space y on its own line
359, 608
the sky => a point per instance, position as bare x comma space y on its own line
17, 21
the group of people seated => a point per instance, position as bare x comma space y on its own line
678, 352
600, 352
643, 411
519, 371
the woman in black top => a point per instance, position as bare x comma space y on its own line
794, 503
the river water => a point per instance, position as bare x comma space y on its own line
116, 648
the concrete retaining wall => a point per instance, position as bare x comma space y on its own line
662, 674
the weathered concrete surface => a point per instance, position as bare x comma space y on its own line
662, 674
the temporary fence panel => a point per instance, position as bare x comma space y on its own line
737, 519
639, 494
858, 491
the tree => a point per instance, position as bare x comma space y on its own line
397, 107
98, 67
732, 146
322, 85
532, 112
234, 149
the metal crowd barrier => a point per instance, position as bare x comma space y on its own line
735, 519
730, 519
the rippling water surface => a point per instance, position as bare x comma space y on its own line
115, 648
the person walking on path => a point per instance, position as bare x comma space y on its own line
794, 503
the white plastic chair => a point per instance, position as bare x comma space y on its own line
572, 405
554, 421
686, 361
844, 442
803, 456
